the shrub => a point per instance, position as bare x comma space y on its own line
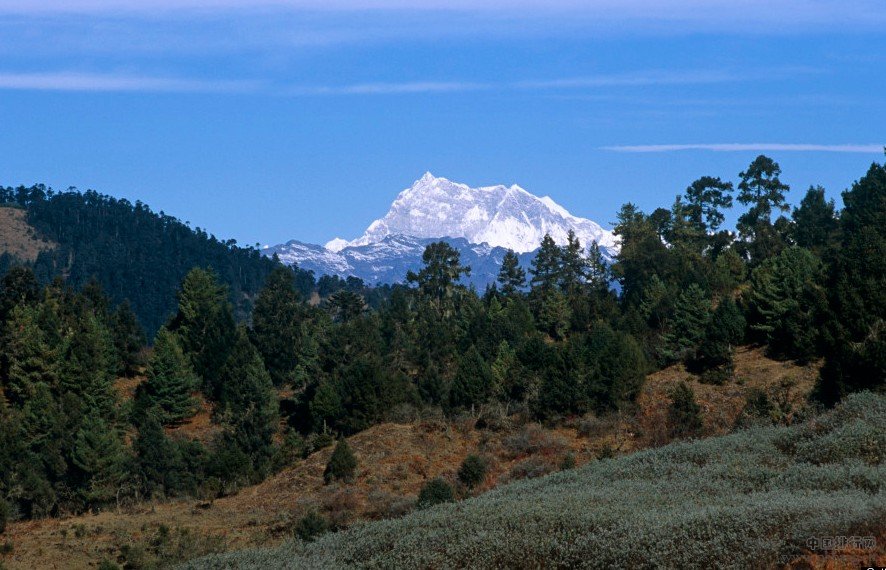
684, 414
606, 452
472, 471
310, 526
434, 492
293, 448
568, 462
698, 498
530, 469
758, 408
316, 442
592, 426
384, 505
164, 547
342, 464
531, 440
340, 507
716, 376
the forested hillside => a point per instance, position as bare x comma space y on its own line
553, 344
134, 253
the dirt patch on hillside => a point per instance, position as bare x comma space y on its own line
18, 238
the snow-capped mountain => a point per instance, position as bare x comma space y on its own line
500, 216
388, 260
481, 223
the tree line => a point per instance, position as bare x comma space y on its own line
134, 253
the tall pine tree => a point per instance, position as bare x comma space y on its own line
205, 324
511, 277
170, 380
276, 325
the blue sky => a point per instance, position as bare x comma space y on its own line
279, 119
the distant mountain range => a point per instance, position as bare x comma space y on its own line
481, 223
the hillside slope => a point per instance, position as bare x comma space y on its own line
133, 252
757, 498
395, 460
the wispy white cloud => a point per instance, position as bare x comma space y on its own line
754, 147
80, 81
75, 81
414, 87
636, 79
642, 78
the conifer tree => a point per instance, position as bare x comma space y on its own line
615, 368
205, 325
724, 331
325, 407
170, 379
815, 221
438, 278
472, 382
642, 255
88, 366
545, 269
690, 321
28, 358
788, 303
506, 385
248, 403
704, 199
573, 265
19, 286
129, 339
276, 325
160, 464
762, 190
511, 277
551, 311
560, 391
346, 305
856, 338
99, 455
598, 272
342, 465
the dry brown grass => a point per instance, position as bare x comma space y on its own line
395, 460
721, 405
17, 237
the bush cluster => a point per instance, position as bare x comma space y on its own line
740, 501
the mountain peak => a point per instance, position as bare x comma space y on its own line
336, 244
510, 217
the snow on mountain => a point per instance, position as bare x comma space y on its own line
389, 260
501, 216
481, 223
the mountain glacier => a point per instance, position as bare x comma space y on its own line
481, 223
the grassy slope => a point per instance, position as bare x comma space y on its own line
395, 460
742, 500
